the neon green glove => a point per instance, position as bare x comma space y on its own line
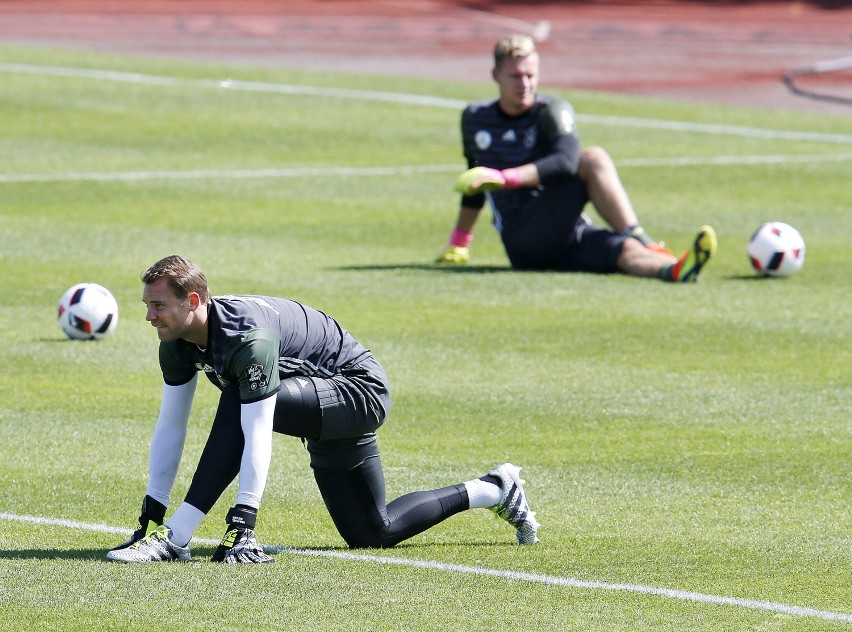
451, 255
480, 179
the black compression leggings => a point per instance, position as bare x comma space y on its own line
348, 471
355, 498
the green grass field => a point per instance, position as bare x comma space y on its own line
687, 448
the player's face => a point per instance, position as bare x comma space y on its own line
517, 79
170, 315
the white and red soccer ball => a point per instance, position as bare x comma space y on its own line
87, 311
776, 249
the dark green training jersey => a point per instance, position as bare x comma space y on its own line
544, 135
256, 341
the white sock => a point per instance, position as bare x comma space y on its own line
482, 495
183, 523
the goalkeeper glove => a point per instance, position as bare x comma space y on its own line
239, 544
152, 516
480, 179
457, 251
453, 255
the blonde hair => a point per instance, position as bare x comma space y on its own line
513, 47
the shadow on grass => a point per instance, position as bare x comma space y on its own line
205, 552
467, 269
490, 269
753, 277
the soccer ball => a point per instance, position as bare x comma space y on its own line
776, 249
87, 311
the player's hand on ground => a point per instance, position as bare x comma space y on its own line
480, 179
240, 546
451, 255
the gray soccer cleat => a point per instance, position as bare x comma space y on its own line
513, 506
155, 547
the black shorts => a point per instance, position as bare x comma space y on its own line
549, 232
337, 416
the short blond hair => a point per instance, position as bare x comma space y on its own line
513, 47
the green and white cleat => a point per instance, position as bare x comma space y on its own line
513, 506
154, 547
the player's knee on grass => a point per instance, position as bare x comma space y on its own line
355, 499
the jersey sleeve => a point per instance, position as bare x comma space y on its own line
559, 119
468, 146
469, 150
254, 362
177, 367
558, 132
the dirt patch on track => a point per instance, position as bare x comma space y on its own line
725, 52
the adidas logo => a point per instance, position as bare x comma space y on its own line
509, 136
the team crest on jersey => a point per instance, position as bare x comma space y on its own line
530, 136
204, 367
209, 369
482, 139
257, 379
567, 118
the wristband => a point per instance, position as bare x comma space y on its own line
153, 510
241, 517
461, 238
512, 177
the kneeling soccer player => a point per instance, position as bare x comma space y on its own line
281, 367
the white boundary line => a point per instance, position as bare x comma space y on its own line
360, 172
536, 578
215, 174
777, 159
398, 97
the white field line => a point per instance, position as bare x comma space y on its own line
536, 578
763, 159
413, 99
360, 172
216, 174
